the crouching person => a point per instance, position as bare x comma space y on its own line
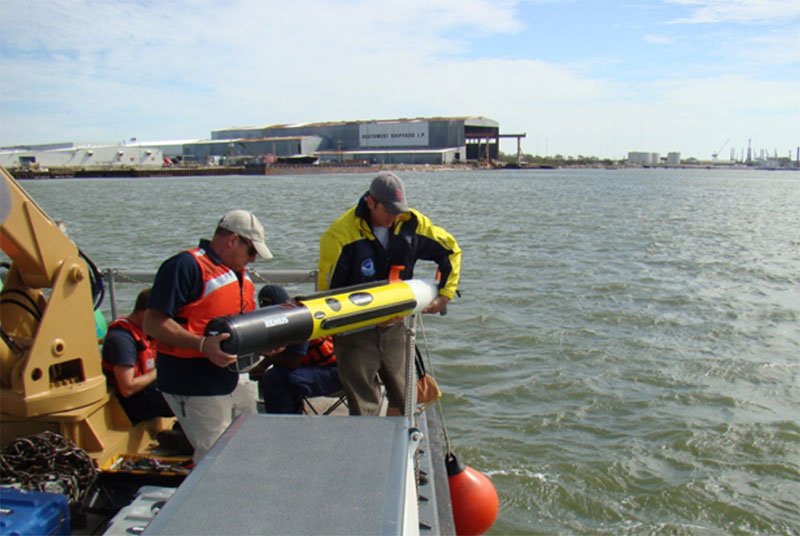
129, 363
297, 371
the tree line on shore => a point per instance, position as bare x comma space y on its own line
556, 161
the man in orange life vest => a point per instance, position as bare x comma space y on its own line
129, 362
300, 370
190, 289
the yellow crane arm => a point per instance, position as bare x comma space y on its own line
25, 232
49, 357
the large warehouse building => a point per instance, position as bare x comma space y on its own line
435, 140
69, 155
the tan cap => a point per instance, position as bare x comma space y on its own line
246, 225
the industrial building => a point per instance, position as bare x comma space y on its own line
674, 158
643, 158
435, 140
653, 159
69, 155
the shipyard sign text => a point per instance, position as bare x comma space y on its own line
394, 134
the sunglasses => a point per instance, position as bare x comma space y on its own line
251, 249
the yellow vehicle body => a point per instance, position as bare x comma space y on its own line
51, 376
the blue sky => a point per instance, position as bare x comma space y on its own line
579, 77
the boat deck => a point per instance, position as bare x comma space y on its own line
279, 474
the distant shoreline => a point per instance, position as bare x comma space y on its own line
194, 171
321, 169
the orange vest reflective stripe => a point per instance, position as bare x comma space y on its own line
320, 353
146, 352
222, 295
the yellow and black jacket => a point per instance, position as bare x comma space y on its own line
349, 252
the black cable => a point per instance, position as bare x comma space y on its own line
46, 461
10, 342
419, 363
33, 313
24, 295
98, 283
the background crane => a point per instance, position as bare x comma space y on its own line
721, 147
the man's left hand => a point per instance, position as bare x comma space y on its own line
436, 306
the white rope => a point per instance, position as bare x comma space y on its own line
429, 364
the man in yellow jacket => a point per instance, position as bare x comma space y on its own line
361, 246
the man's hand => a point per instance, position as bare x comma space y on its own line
273, 357
439, 303
390, 322
274, 351
213, 352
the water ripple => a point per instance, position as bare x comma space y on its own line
624, 356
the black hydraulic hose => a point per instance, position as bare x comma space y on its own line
98, 283
36, 313
10, 342
21, 305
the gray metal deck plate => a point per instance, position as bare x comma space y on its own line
274, 474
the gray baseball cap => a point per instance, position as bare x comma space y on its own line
388, 189
246, 225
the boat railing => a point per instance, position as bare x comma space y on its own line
114, 276
407, 437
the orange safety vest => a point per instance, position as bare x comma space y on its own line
320, 353
222, 295
146, 356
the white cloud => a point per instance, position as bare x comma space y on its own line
658, 39
105, 71
774, 48
742, 11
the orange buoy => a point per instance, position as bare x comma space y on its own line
474, 499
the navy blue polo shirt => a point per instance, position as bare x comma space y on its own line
119, 348
179, 281
299, 348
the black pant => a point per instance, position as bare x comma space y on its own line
146, 404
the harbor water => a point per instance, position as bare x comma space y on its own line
625, 354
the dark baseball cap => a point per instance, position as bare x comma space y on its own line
387, 188
272, 295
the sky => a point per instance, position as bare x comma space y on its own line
578, 77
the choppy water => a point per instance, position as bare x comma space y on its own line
625, 358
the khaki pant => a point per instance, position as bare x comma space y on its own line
365, 356
205, 418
